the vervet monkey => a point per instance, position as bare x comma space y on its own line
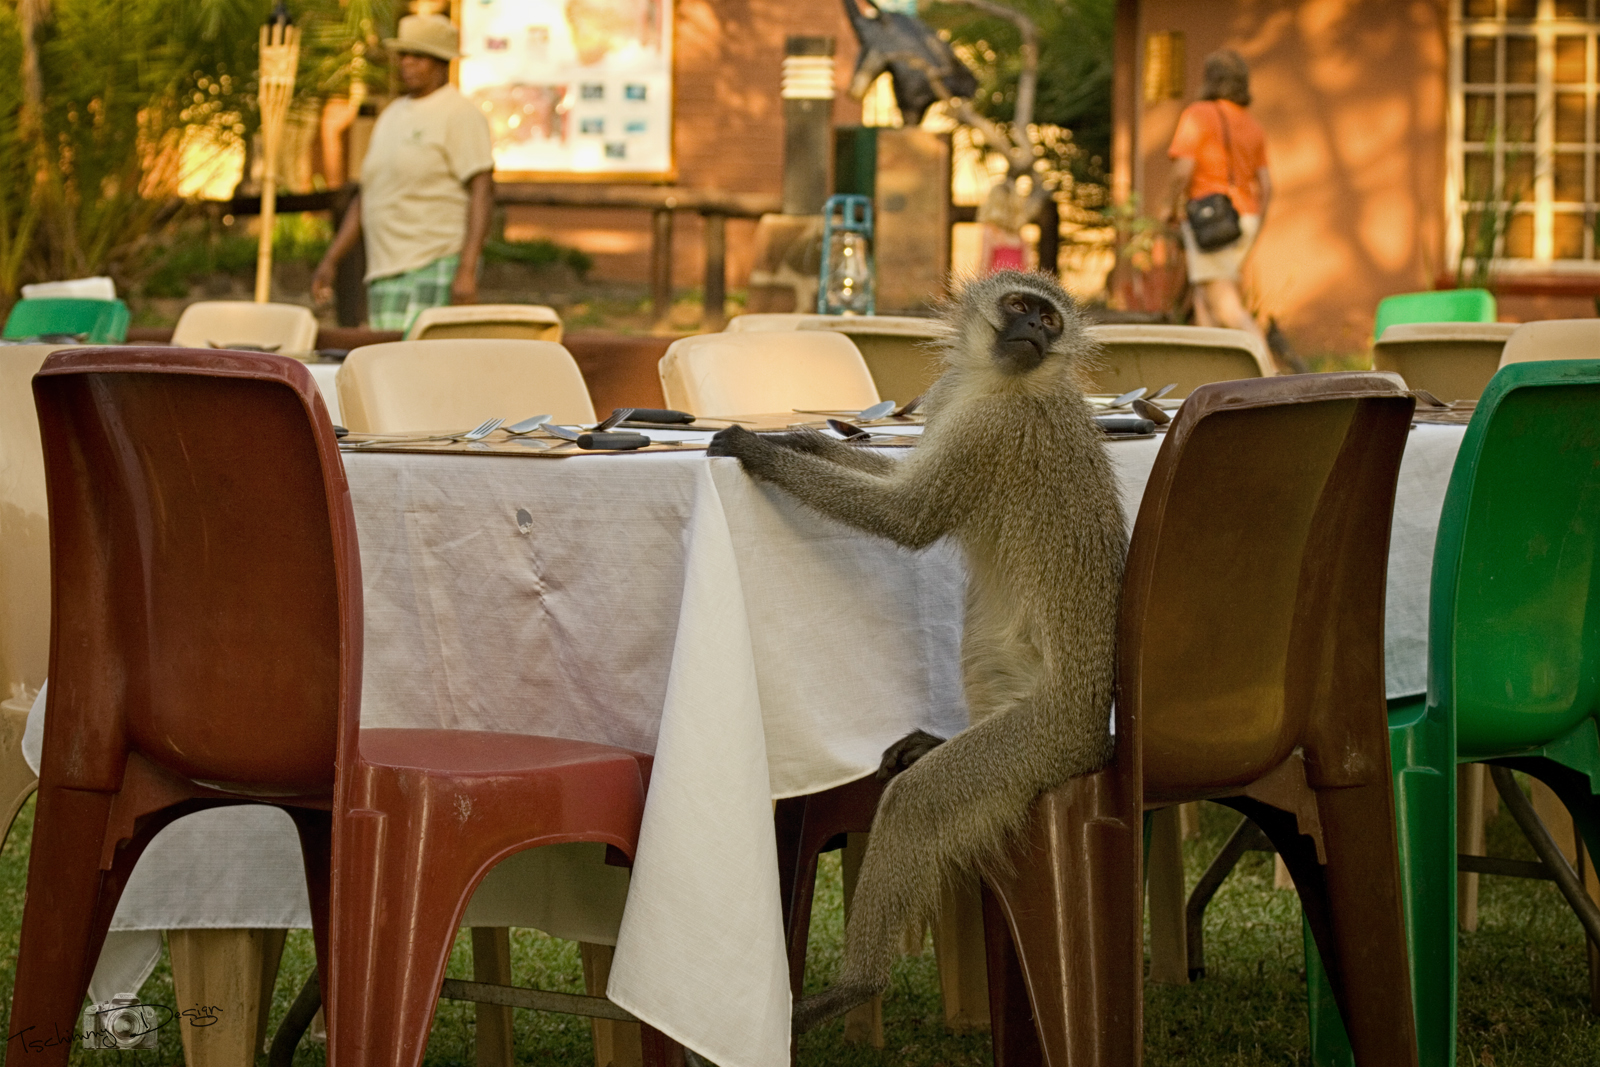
1012, 465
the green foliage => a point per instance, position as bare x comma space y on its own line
89, 183
539, 253
1075, 47
196, 248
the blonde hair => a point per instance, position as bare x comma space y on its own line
1226, 78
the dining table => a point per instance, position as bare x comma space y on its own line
665, 602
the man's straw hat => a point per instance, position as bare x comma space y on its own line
429, 35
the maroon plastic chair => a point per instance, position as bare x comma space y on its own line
206, 650
1250, 672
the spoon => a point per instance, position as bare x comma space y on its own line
876, 411
1163, 391
1146, 410
1127, 398
848, 431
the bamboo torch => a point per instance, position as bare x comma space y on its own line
280, 55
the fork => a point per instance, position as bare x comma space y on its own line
477, 433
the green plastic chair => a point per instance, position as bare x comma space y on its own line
101, 322
1514, 661
1441, 305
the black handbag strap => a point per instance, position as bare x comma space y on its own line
1227, 144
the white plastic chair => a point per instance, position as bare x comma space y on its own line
1191, 356
528, 322
435, 386
1451, 360
765, 373
287, 329
1553, 339
24, 569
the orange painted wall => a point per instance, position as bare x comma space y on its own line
728, 132
1352, 96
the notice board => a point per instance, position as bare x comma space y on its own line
575, 89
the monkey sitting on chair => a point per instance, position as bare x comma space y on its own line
1013, 466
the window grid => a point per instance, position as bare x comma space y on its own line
1526, 127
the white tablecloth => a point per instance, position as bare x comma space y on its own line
670, 604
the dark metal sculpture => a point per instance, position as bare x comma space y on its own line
913, 55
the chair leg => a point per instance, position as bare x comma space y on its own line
1246, 837
1169, 964
958, 940
1074, 910
491, 963
1470, 779
1423, 757
616, 1044
58, 941
17, 780
863, 1024
218, 975
1355, 909
385, 995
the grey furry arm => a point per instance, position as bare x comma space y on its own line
831, 448
892, 504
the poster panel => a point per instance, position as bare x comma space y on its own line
576, 89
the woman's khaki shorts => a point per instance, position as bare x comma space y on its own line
1223, 264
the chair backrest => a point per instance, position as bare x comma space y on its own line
770, 321
1512, 647
287, 329
98, 321
206, 594
1252, 609
1439, 305
1552, 339
761, 372
901, 351
410, 386
527, 322
24, 527
1451, 360
1191, 356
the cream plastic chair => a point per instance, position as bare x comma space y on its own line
1553, 339
528, 322
1153, 356
765, 373
769, 321
437, 386
1451, 360
896, 347
24, 570
288, 329
899, 350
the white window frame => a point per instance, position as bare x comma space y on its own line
1545, 28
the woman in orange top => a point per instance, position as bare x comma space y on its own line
1219, 148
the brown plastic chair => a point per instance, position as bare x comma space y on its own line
1250, 672
1451, 360
206, 650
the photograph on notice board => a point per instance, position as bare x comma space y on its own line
572, 87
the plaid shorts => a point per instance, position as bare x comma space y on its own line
393, 303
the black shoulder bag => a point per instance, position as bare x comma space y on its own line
1213, 219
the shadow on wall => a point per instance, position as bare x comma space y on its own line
1352, 96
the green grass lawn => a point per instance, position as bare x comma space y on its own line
1524, 982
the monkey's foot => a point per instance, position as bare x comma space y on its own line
837, 999
906, 751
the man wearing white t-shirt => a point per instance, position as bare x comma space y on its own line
427, 188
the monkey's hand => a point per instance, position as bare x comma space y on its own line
754, 451
906, 751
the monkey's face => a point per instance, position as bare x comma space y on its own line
1029, 326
